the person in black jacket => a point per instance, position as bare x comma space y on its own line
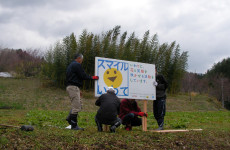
159, 105
75, 75
109, 105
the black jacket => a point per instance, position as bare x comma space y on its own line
161, 87
109, 108
75, 74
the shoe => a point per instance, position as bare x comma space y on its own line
113, 129
99, 125
160, 128
116, 125
77, 128
128, 128
73, 122
68, 127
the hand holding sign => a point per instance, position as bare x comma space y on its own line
95, 77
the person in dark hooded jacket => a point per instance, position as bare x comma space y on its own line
159, 105
107, 114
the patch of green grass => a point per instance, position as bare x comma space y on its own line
61, 138
173, 120
216, 120
3, 140
88, 94
46, 108
2, 88
197, 103
42, 118
4, 105
31, 94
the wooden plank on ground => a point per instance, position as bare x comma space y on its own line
171, 131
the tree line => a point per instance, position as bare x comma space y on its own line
168, 58
19, 62
221, 68
215, 83
219, 80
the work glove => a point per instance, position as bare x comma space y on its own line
155, 83
141, 114
95, 77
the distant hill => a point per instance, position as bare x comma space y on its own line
221, 68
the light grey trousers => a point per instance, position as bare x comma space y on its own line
74, 94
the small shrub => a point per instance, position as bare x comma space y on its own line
88, 95
11, 106
3, 140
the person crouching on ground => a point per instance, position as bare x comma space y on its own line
109, 105
129, 112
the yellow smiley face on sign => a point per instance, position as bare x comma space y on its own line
112, 77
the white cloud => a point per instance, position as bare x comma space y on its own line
20, 37
200, 27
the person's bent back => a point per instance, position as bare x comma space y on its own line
109, 105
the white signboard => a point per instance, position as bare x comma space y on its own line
131, 80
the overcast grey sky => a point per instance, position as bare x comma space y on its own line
201, 27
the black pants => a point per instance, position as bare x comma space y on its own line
107, 122
159, 109
132, 119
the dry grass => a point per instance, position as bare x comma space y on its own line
28, 101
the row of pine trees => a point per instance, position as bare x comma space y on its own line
168, 58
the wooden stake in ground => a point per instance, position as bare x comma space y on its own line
106, 128
144, 118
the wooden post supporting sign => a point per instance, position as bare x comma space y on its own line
144, 118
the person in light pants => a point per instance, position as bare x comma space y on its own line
75, 75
